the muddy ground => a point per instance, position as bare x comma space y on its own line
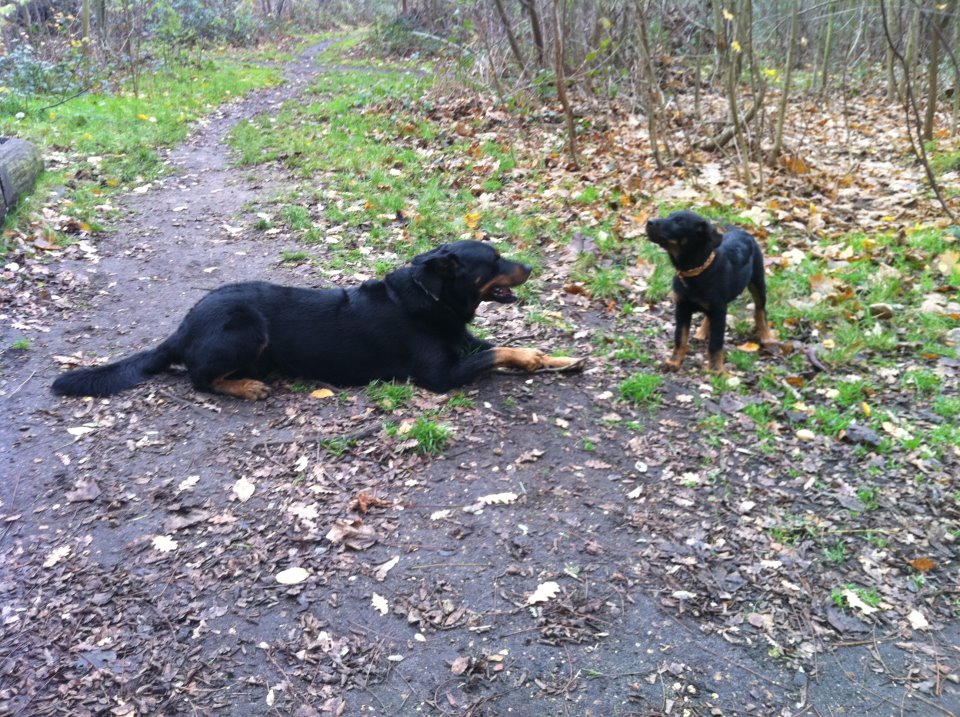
101, 617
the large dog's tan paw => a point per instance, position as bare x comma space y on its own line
564, 364
531, 360
248, 389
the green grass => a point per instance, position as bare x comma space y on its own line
109, 142
389, 395
642, 389
431, 436
20, 344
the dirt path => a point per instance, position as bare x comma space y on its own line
99, 617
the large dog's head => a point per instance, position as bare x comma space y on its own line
684, 235
462, 274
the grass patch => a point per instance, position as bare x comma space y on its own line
642, 389
109, 142
389, 395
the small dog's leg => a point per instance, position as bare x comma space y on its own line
718, 325
681, 336
704, 331
766, 335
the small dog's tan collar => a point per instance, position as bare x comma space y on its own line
688, 273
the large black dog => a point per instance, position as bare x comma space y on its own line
713, 269
411, 325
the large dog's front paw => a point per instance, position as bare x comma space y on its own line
565, 364
531, 360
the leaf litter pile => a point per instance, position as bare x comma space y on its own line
621, 541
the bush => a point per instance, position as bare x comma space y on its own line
22, 72
204, 22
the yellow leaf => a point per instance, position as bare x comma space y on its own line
749, 347
736, 46
866, 409
142, 117
727, 15
321, 393
472, 219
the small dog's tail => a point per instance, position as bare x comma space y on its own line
120, 375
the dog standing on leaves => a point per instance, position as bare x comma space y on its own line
713, 269
412, 325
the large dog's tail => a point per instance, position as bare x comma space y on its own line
119, 376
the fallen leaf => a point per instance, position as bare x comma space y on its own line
498, 498
384, 568
545, 591
459, 666
749, 347
243, 489
164, 544
56, 555
922, 565
854, 601
322, 393
292, 576
917, 620
352, 533
380, 604
188, 483
84, 491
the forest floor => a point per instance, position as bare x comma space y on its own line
579, 547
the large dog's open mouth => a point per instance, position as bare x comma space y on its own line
499, 288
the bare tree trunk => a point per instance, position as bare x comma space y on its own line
955, 114
827, 48
913, 119
535, 29
787, 76
933, 67
85, 27
913, 41
562, 89
511, 38
651, 90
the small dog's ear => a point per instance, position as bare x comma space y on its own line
714, 237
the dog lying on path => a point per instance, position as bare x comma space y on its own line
410, 325
713, 269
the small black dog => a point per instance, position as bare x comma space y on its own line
713, 269
411, 325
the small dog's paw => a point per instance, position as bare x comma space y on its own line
670, 365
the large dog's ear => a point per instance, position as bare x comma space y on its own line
439, 261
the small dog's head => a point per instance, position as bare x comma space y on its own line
462, 274
684, 234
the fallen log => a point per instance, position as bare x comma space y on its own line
20, 164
